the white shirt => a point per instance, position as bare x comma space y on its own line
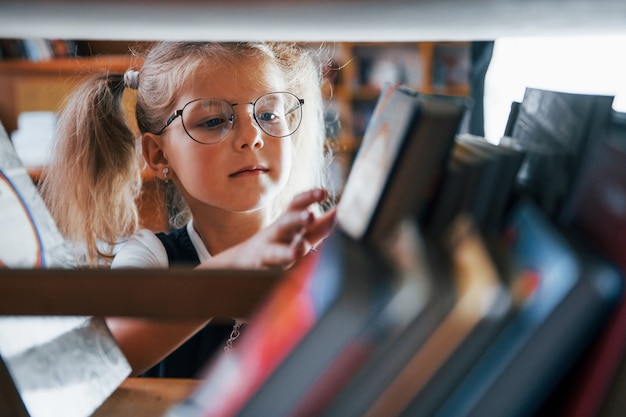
145, 250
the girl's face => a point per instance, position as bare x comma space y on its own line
248, 169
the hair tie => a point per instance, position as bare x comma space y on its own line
131, 79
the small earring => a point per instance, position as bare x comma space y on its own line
165, 172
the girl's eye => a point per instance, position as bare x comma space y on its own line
268, 117
213, 122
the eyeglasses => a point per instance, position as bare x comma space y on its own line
210, 120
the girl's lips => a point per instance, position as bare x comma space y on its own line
253, 170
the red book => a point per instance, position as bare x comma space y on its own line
601, 217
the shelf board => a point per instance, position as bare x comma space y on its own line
69, 66
173, 293
308, 20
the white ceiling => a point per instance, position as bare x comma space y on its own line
319, 20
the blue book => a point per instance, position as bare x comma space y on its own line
566, 297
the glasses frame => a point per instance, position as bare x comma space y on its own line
231, 120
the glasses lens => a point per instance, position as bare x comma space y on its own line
278, 114
208, 120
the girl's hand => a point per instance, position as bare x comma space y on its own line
283, 242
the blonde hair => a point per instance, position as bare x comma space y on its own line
93, 181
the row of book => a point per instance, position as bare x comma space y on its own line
457, 283
38, 49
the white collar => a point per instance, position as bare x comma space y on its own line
198, 244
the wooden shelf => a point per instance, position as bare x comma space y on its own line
69, 66
146, 397
173, 293
43, 85
361, 68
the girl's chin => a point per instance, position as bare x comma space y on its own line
254, 205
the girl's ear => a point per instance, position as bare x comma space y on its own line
152, 149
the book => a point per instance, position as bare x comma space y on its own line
454, 194
613, 403
436, 299
598, 218
38, 49
557, 130
497, 192
417, 294
399, 161
586, 386
12, 48
387, 384
488, 325
49, 366
569, 294
510, 121
451, 66
598, 212
318, 318
479, 180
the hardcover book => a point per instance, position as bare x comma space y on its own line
600, 218
473, 297
558, 131
318, 319
399, 162
567, 296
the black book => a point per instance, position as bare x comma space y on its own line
479, 180
400, 161
598, 218
557, 130
496, 192
12, 48
455, 194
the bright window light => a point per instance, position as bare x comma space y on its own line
589, 65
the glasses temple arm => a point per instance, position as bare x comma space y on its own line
171, 119
300, 104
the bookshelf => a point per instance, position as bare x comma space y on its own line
373, 21
353, 82
42, 86
34, 86
359, 70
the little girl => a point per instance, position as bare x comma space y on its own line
235, 132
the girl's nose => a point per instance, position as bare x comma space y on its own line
247, 132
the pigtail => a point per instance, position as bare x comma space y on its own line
94, 178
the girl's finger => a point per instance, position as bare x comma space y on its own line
278, 255
321, 227
290, 224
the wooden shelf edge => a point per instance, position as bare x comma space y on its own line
172, 293
70, 65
